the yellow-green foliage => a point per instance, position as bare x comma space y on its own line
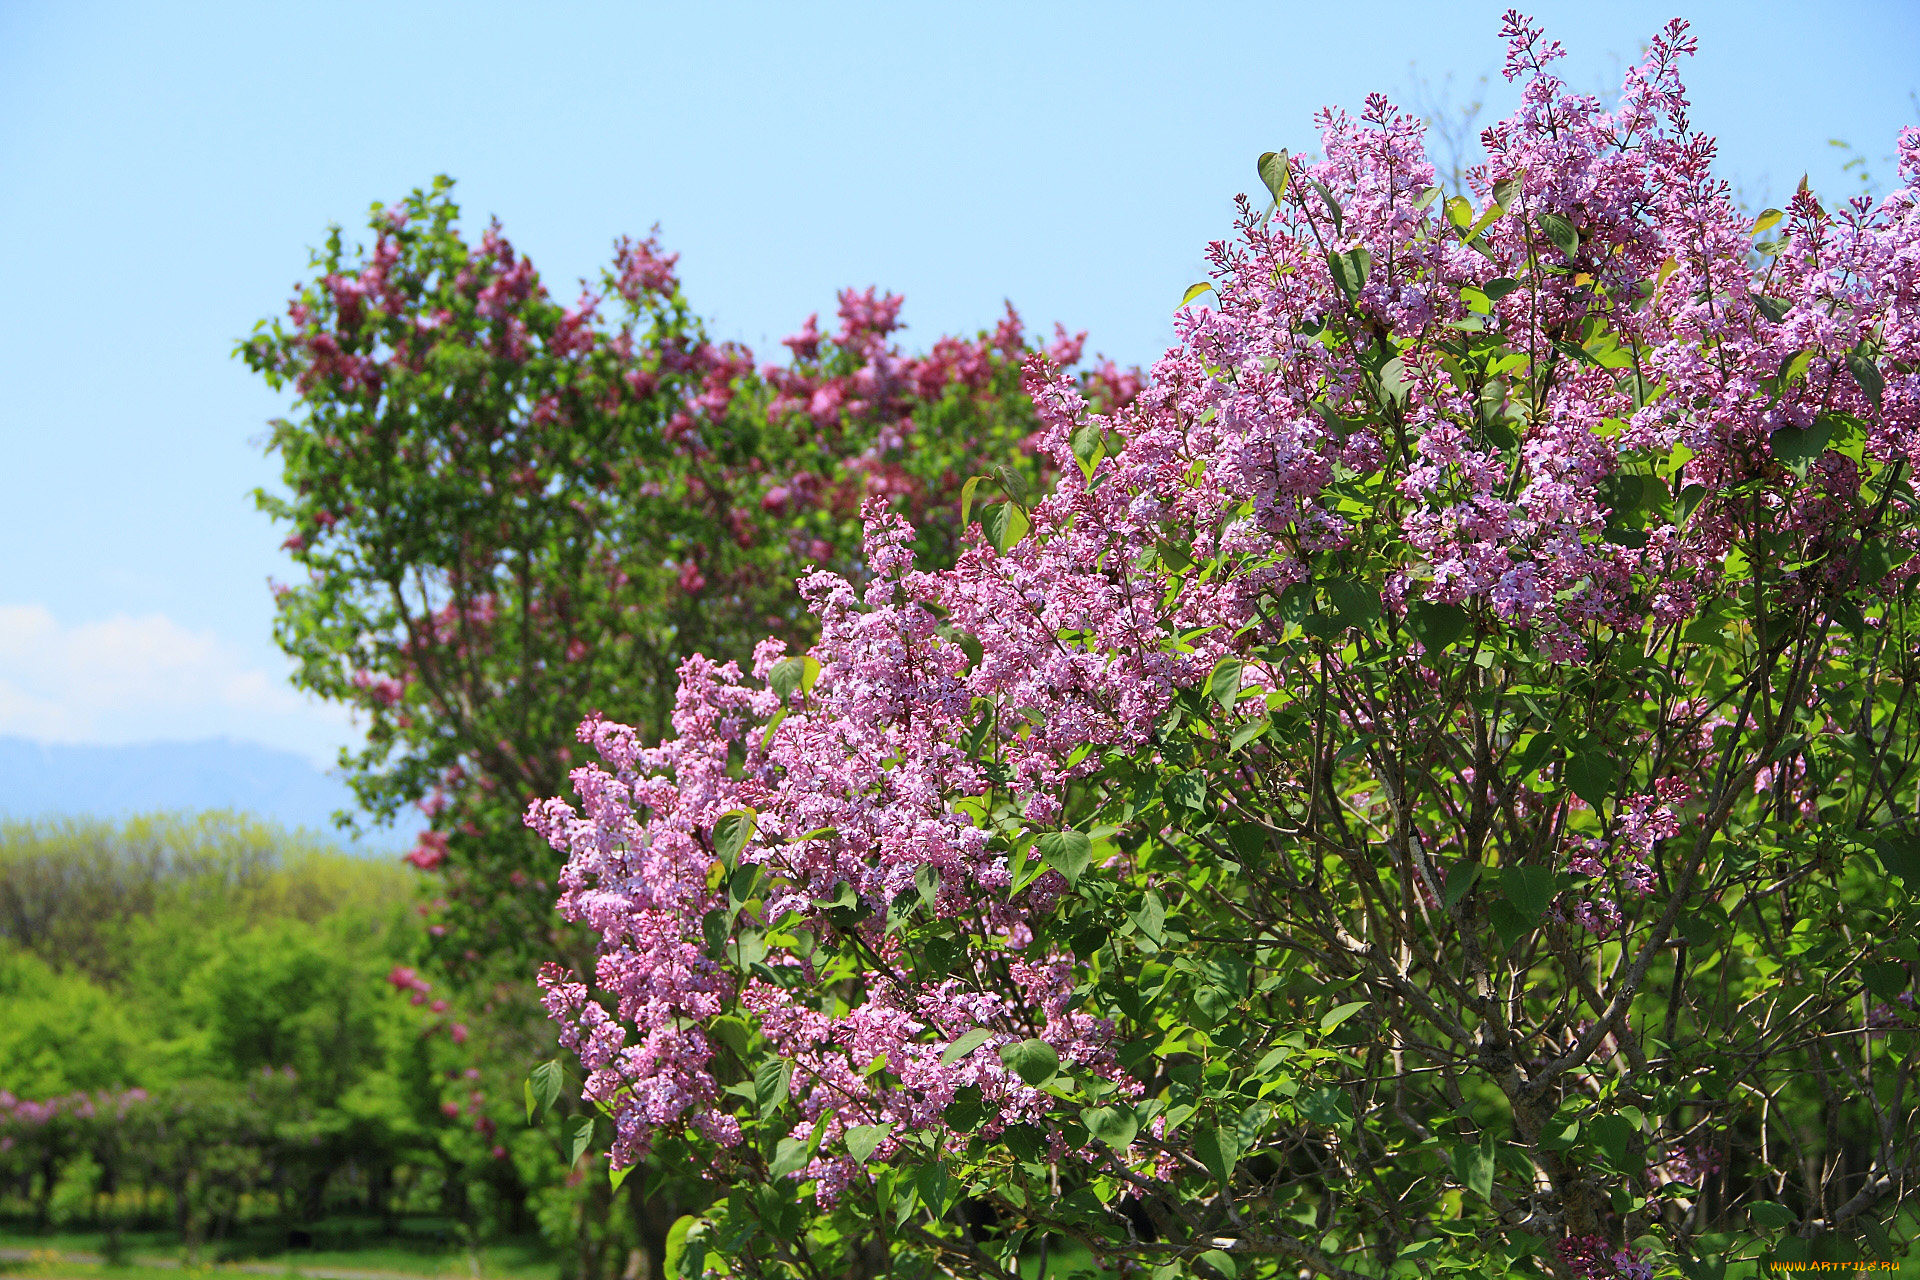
171, 946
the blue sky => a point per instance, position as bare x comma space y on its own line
164, 167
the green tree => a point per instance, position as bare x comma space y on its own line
511, 513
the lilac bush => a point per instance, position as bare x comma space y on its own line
1431, 786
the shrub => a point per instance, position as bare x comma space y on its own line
1432, 785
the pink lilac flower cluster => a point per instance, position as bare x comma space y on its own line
1642, 822
1235, 449
1590, 1258
1691, 1162
886, 384
23, 1114
1883, 1016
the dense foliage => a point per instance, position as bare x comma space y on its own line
208, 1021
1430, 788
512, 513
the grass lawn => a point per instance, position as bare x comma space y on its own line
422, 1247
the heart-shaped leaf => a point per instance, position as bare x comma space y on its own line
863, 1138
784, 678
1067, 852
1529, 889
1034, 1061
1115, 1126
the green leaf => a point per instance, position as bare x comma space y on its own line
1530, 752
1188, 789
1340, 1013
1436, 626
543, 1088
1797, 446
926, 882
1067, 852
1615, 1134
1248, 732
1592, 773
1459, 880
1221, 1261
732, 1032
1151, 917
1506, 189
1509, 922
930, 1180
1529, 889
1499, 287
1328, 1107
1005, 524
1219, 1150
1767, 218
1089, 443
1276, 169
1888, 980
1194, 291
1560, 232
618, 1174
1115, 1126
1350, 269
863, 1138
789, 1157
966, 1111
1473, 1166
1224, 683
731, 831
1899, 853
965, 1045
766, 737
1771, 1216
741, 883
1333, 206
771, 1080
677, 1244
966, 498
1867, 374
1355, 603
1878, 558
1013, 484
582, 1139
1034, 1061
784, 678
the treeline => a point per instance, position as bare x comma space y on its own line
209, 1020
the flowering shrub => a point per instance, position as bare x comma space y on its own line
1431, 786
512, 512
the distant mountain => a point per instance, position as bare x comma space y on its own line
40, 780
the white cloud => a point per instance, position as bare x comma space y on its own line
145, 679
